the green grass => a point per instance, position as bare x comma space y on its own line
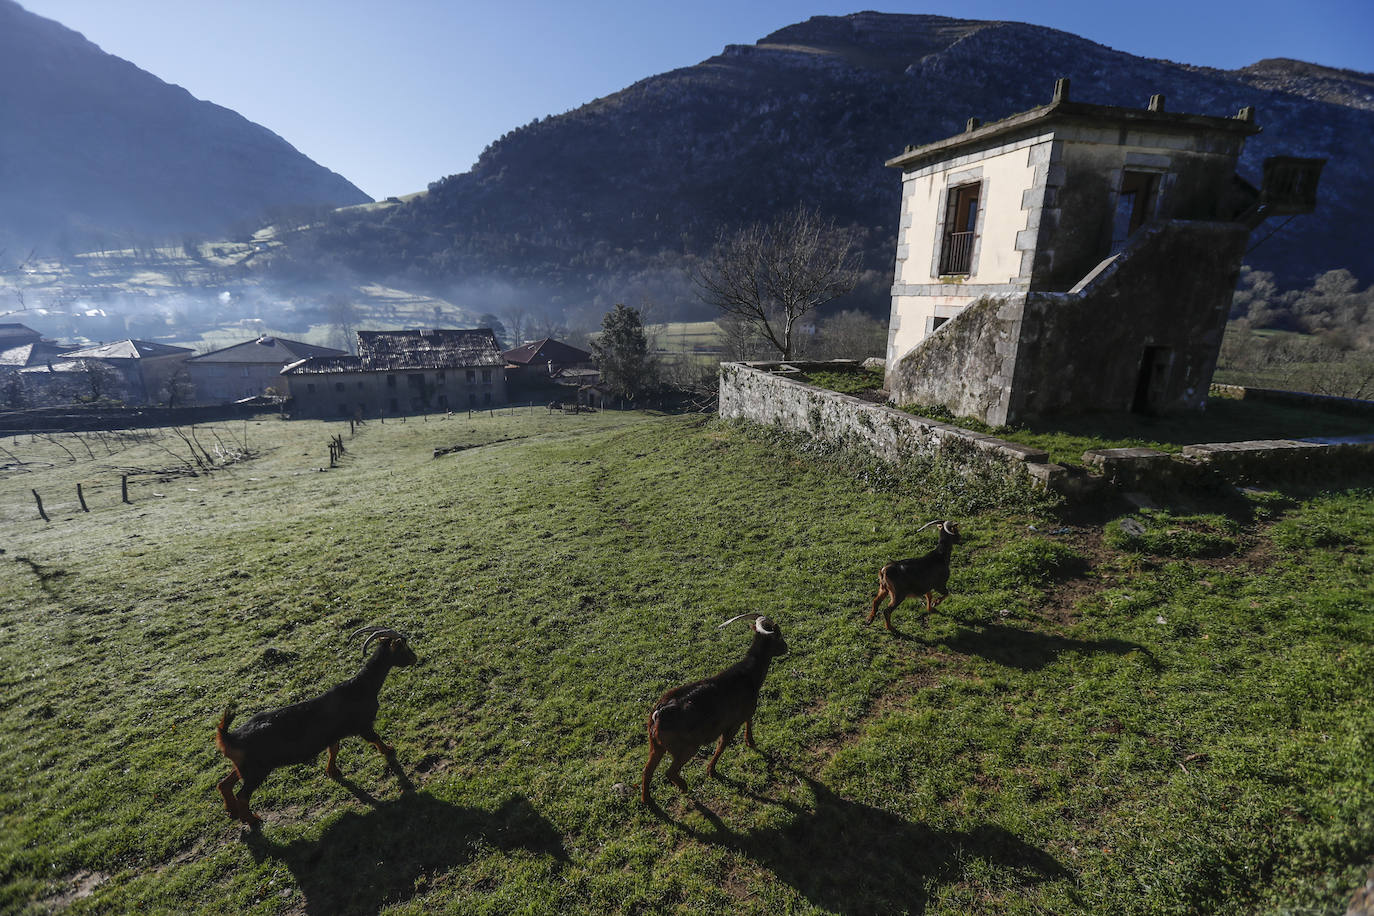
1083, 726
850, 381
1224, 420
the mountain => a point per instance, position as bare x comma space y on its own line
609, 200
94, 150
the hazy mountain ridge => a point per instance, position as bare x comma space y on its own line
107, 151
640, 180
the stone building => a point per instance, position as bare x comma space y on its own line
400, 372
538, 363
131, 371
247, 369
1075, 257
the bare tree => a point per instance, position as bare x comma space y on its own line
771, 274
342, 316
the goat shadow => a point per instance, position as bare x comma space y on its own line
364, 861
1031, 651
855, 859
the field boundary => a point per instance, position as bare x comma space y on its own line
771, 393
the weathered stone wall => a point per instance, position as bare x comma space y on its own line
967, 365
1170, 288
764, 393
1009, 358
1353, 406
767, 393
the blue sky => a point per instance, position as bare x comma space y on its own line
396, 94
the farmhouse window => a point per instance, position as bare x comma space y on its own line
486, 376
338, 386
961, 227
471, 376
391, 381
1134, 206
416, 380
309, 387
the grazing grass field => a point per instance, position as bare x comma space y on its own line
1167, 713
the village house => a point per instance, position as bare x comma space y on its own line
247, 369
21, 346
1075, 257
537, 363
135, 372
401, 372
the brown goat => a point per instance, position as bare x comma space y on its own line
297, 733
698, 713
921, 575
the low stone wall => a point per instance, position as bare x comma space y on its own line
770, 393
1324, 402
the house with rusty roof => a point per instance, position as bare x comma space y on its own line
1075, 257
401, 372
247, 369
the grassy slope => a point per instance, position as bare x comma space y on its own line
1034, 748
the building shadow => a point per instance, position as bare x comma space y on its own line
855, 859
1028, 650
364, 861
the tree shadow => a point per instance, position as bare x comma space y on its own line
1029, 650
364, 861
855, 859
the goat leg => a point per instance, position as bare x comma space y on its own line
330, 768
749, 733
371, 737
655, 755
726, 737
672, 774
245, 812
226, 789
882, 593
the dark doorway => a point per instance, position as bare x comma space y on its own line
1152, 384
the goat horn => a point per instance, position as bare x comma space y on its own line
927, 525
733, 619
947, 528
380, 633
758, 626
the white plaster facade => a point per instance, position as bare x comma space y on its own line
1060, 167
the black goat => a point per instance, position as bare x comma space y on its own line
687, 717
921, 575
297, 733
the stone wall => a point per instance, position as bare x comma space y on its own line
769, 393
1013, 357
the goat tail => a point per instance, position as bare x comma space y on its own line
222, 738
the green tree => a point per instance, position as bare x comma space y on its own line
622, 353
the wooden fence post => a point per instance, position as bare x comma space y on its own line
81, 498
39, 500
124, 487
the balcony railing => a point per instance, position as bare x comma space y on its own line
957, 255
